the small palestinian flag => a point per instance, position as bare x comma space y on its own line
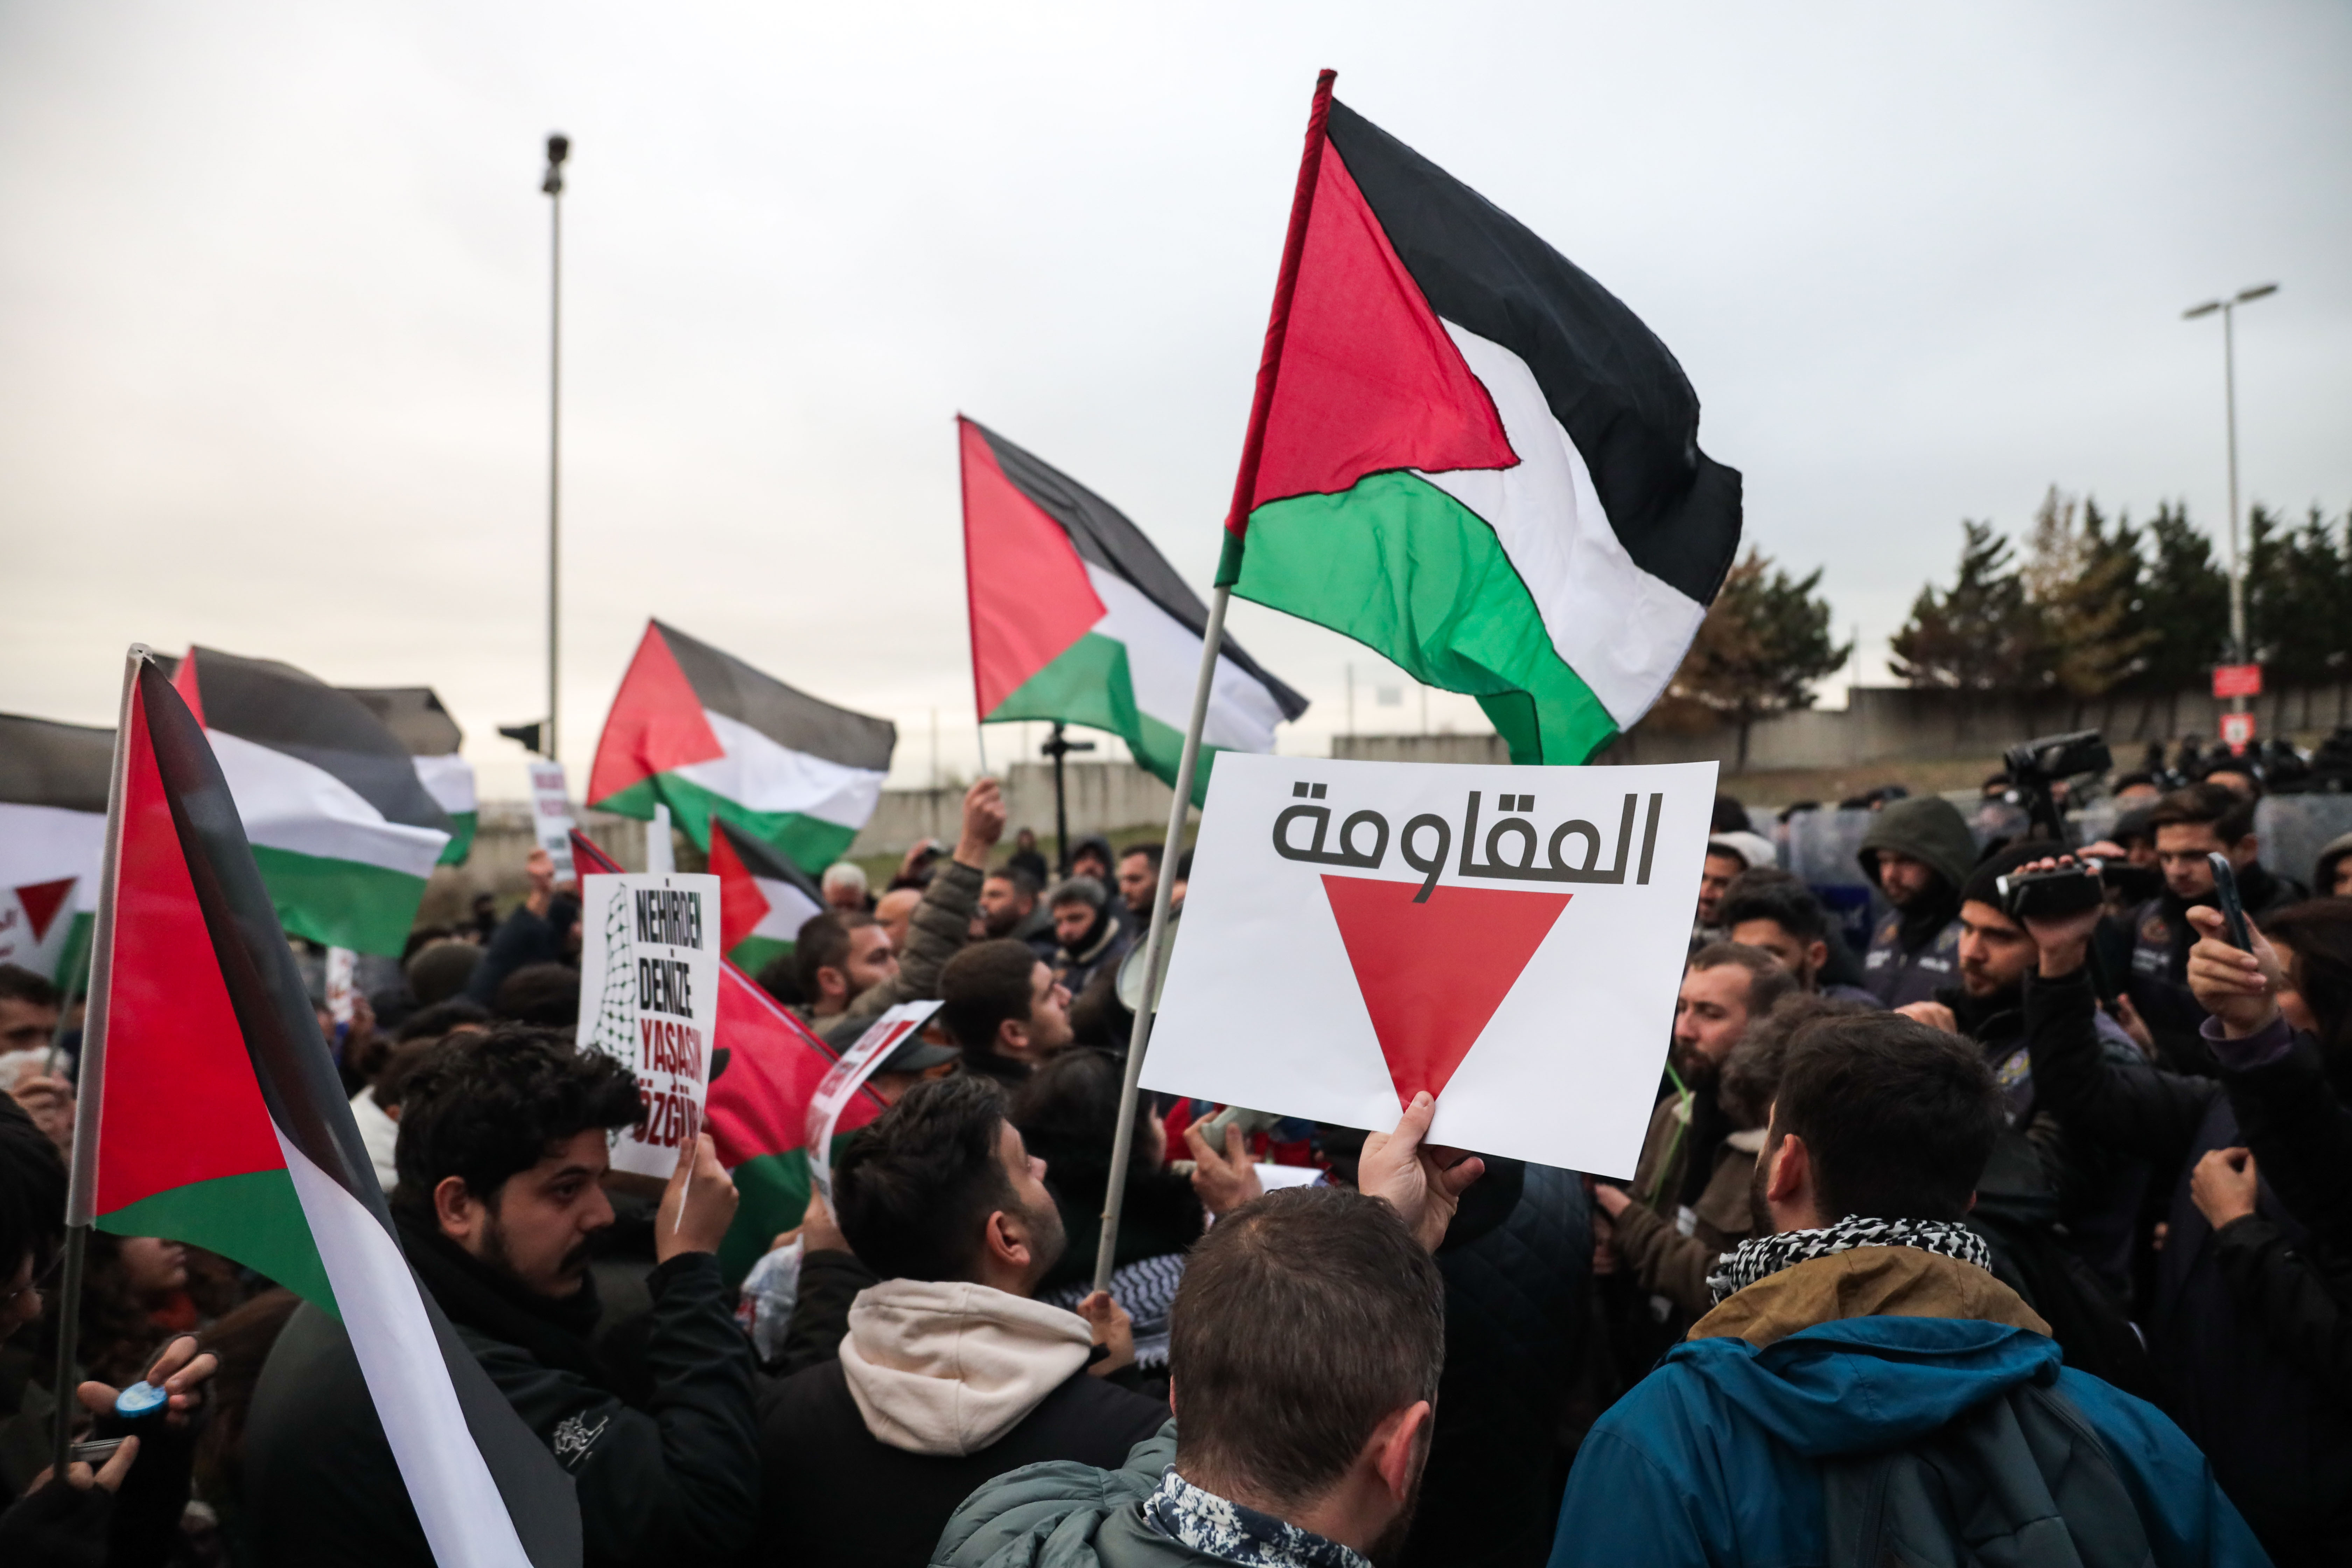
417, 720
704, 733
763, 899
52, 831
344, 833
212, 1114
1470, 457
1076, 617
765, 1067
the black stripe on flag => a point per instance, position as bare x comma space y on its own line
289, 710
792, 719
43, 763
765, 863
1612, 385
1104, 537
413, 714
299, 1086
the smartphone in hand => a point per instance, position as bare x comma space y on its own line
2233, 908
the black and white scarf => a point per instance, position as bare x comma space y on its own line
1767, 1255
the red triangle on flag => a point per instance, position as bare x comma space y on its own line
741, 905
1433, 973
41, 901
656, 723
1029, 593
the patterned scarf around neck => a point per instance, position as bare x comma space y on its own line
1766, 1255
1219, 1527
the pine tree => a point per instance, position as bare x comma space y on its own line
1978, 635
2298, 598
2082, 586
1766, 640
2184, 605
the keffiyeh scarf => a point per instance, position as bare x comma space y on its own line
1766, 1255
1222, 1528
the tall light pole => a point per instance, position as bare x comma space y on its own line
2239, 651
559, 148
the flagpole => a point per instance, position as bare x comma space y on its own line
90, 1075
1294, 243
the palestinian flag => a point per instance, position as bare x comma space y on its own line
765, 1067
344, 833
1076, 617
706, 734
52, 829
212, 1114
1470, 457
417, 720
763, 899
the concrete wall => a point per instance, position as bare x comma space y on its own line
1103, 797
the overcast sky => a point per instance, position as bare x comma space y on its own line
273, 301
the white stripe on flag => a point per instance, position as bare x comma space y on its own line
1621, 630
788, 909
1164, 661
287, 804
449, 780
760, 775
457, 1503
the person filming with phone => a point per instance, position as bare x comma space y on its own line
2191, 825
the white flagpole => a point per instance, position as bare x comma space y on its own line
1155, 955
89, 1073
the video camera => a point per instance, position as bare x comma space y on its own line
2036, 767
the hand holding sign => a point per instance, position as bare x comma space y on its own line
698, 1204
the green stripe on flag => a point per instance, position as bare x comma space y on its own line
772, 1194
754, 954
461, 837
1418, 578
809, 842
1087, 683
341, 903
255, 1219
72, 972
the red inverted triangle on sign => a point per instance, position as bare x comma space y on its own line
1433, 973
41, 901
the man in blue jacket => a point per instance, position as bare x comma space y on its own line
1863, 1382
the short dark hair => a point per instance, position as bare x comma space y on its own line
2231, 814
1086, 890
432, 1023
823, 942
913, 1190
544, 995
779, 977
1149, 851
440, 969
981, 986
1899, 1118
1022, 882
1306, 1318
19, 984
1729, 816
32, 1192
1768, 981
1790, 905
486, 1107
1751, 1073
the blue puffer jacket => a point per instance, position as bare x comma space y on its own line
1713, 1459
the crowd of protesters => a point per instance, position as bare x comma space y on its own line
1963, 1233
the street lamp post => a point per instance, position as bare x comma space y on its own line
559, 148
2239, 651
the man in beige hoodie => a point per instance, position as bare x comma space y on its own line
951, 1374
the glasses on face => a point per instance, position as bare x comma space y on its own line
40, 1282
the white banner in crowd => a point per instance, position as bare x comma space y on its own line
550, 815
885, 1034
649, 998
1510, 939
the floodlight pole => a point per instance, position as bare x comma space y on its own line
559, 148
2239, 651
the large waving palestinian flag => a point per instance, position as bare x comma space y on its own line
1076, 617
345, 834
704, 733
763, 899
212, 1113
417, 720
52, 828
1470, 457
765, 1068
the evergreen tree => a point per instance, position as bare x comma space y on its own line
2081, 585
1981, 634
1766, 640
2298, 598
2184, 605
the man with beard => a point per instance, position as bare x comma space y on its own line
1769, 908
1009, 906
1306, 1346
1093, 936
1691, 1177
503, 1146
2190, 823
950, 1373
1917, 853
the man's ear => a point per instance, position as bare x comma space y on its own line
1006, 1238
830, 979
1791, 1165
457, 1211
2243, 853
1816, 955
1013, 1037
1398, 1446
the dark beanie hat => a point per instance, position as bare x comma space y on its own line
1980, 888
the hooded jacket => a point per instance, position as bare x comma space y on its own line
940, 1385
1912, 950
1718, 1456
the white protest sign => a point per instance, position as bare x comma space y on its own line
342, 967
1510, 939
847, 1076
550, 815
649, 998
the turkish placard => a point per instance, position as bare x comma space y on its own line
846, 1076
1510, 939
550, 815
649, 998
